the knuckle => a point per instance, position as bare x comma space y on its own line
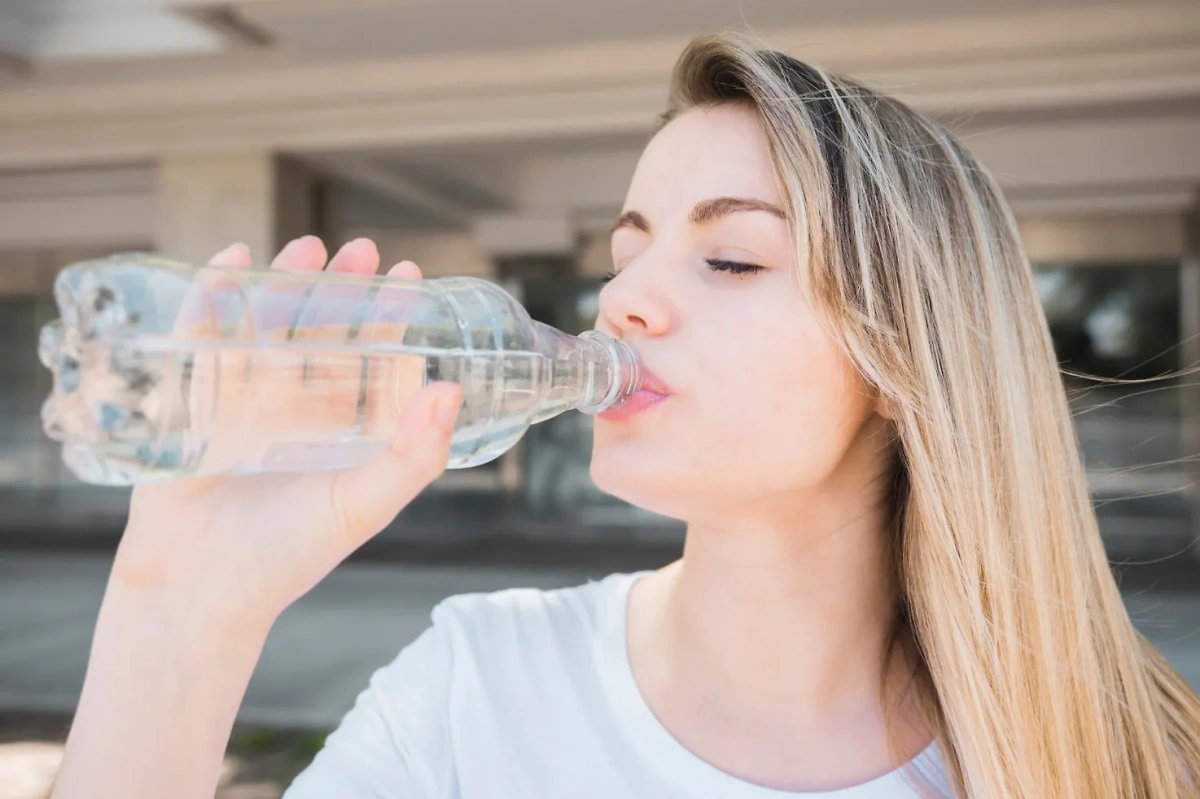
429, 463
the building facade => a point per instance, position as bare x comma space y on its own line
497, 139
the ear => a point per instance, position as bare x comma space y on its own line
887, 408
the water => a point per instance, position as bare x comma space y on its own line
161, 370
160, 410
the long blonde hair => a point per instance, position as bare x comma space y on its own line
1037, 683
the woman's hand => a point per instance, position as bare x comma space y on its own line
207, 564
245, 547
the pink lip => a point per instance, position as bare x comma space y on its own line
652, 392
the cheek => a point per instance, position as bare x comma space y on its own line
756, 420
783, 416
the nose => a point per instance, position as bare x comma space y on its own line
633, 305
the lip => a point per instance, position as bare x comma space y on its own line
652, 392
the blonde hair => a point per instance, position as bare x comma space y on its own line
1036, 682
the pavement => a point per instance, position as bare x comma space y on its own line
317, 658
322, 651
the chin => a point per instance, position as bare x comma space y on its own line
646, 482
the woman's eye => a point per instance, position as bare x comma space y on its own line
733, 267
716, 264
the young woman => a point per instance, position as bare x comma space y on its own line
892, 582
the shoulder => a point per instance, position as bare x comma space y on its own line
526, 648
527, 616
493, 667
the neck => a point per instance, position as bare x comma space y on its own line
789, 604
765, 648
785, 611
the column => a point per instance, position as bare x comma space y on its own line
207, 201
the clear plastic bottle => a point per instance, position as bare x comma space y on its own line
164, 370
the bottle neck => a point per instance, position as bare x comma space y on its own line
601, 372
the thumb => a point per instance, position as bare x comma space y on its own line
366, 498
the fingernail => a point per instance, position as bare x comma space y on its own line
229, 252
293, 244
445, 410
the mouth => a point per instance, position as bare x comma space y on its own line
653, 392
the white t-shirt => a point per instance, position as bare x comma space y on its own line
523, 694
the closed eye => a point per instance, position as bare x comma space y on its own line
733, 267
715, 264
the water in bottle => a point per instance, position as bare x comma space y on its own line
164, 370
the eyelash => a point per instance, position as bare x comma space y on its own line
717, 265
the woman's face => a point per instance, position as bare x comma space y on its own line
762, 404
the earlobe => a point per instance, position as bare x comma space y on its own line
887, 408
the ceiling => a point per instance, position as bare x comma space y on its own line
45, 31
49, 32
423, 26
435, 111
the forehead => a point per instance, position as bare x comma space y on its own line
706, 152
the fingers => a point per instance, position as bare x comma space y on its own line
234, 255
201, 312
305, 254
308, 254
358, 257
391, 382
367, 498
406, 270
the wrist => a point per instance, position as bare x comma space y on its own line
151, 579
180, 615
164, 681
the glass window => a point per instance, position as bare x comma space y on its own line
1121, 322
557, 459
27, 458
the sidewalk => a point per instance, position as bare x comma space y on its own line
318, 657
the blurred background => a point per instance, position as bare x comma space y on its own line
496, 138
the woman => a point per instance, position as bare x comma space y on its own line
892, 582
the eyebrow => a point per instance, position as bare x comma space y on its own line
704, 212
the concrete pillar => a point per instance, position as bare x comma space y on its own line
207, 201
595, 255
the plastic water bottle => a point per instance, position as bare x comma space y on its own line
164, 370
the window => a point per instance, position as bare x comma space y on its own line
1122, 322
